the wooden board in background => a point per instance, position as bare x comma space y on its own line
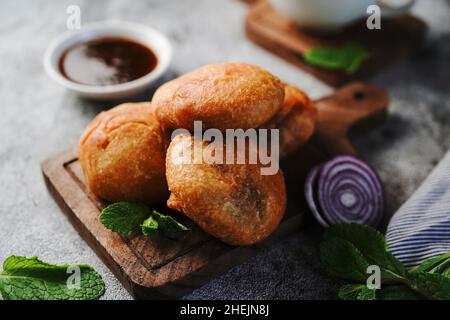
397, 37
158, 267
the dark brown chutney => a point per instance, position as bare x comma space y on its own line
107, 61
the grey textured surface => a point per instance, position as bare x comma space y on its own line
39, 118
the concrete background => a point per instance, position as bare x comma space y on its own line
38, 118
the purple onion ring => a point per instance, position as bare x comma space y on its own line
344, 190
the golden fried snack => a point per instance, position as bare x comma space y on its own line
122, 153
296, 120
232, 202
223, 96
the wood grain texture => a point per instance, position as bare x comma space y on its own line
157, 267
396, 38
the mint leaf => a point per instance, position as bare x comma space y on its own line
371, 244
397, 292
347, 58
431, 285
342, 259
440, 265
356, 292
125, 217
129, 219
169, 226
149, 227
31, 279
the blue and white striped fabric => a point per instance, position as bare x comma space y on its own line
420, 229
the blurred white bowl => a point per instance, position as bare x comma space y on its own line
149, 37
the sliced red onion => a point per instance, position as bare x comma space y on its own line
344, 190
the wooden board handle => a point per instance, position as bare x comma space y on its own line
356, 105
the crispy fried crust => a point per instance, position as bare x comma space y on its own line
122, 154
222, 96
232, 202
296, 120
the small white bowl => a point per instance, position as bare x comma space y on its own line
149, 37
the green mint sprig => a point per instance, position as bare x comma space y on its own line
440, 265
169, 226
348, 249
124, 218
25, 278
150, 226
347, 58
130, 219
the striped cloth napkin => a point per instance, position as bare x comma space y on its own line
420, 229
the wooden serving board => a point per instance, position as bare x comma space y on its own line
397, 37
157, 267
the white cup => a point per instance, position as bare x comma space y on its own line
331, 15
